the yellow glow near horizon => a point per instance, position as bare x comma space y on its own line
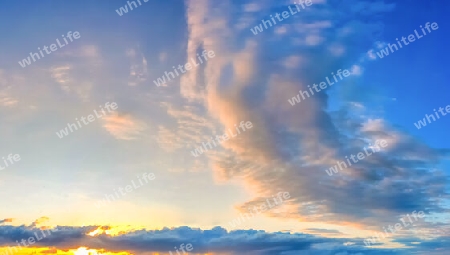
86, 251
83, 251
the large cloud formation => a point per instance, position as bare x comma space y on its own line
253, 76
216, 241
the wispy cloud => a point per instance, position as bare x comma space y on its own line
123, 126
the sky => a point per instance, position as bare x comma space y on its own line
106, 149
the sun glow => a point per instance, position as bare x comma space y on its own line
85, 251
100, 231
113, 230
95, 232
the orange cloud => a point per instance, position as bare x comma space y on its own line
124, 127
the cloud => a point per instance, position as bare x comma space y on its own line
216, 240
39, 221
60, 75
324, 231
252, 7
7, 96
356, 70
123, 127
313, 40
65, 76
138, 68
243, 83
187, 127
87, 52
7, 101
163, 56
90, 51
6, 220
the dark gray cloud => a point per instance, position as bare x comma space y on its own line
216, 240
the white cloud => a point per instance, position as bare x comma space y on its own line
313, 40
356, 70
138, 67
371, 55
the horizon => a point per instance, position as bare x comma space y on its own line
204, 127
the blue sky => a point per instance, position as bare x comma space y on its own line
58, 181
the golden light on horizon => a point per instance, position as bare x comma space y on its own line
84, 251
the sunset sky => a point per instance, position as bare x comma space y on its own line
62, 183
